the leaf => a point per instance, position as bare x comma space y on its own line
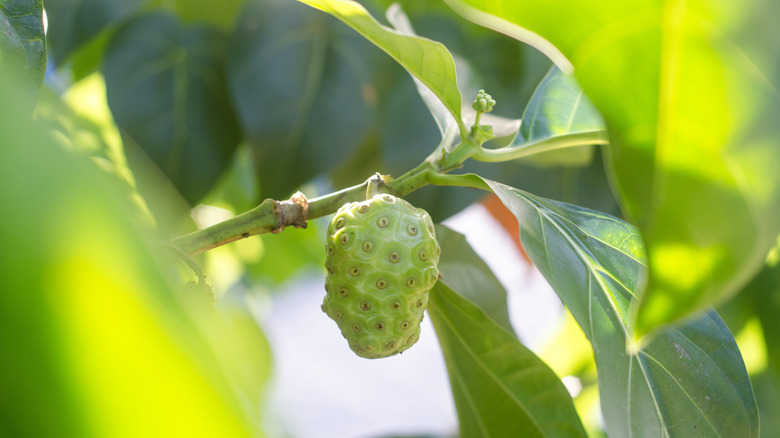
501, 388
448, 126
427, 60
764, 292
220, 14
303, 90
73, 24
166, 89
23, 46
688, 380
94, 339
461, 267
558, 107
685, 89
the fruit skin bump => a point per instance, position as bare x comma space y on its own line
381, 261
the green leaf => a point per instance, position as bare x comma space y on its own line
462, 268
688, 380
558, 107
764, 291
72, 24
303, 89
427, 60
448, 126
501, 388
287, 253
23, 45
166, 89
685, 89
221, 14
94, 338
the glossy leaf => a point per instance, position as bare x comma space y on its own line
303, 90
73, 24
461, 267
558, 107
167, 91
686, 91
689, 380
501, 388
427, 60
23, 45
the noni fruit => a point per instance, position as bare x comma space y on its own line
381, 261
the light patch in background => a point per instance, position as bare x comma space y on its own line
321, 389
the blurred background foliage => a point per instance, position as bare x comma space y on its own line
176, 114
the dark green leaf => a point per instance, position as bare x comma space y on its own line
166, 88
221, 14
448, 126
302, 87
73, 24
23, 45
465, 271
501, 388
690, 380
427, 60
692, 116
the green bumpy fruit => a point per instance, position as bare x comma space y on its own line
382, 258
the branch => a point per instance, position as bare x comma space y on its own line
273, 216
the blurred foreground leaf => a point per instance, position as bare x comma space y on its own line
95, 341
686, 91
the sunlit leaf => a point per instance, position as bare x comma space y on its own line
167, 90
95, 341
501, 388
689, 380
23, 45
427, 60
686, 91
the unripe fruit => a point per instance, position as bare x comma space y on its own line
381, 261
